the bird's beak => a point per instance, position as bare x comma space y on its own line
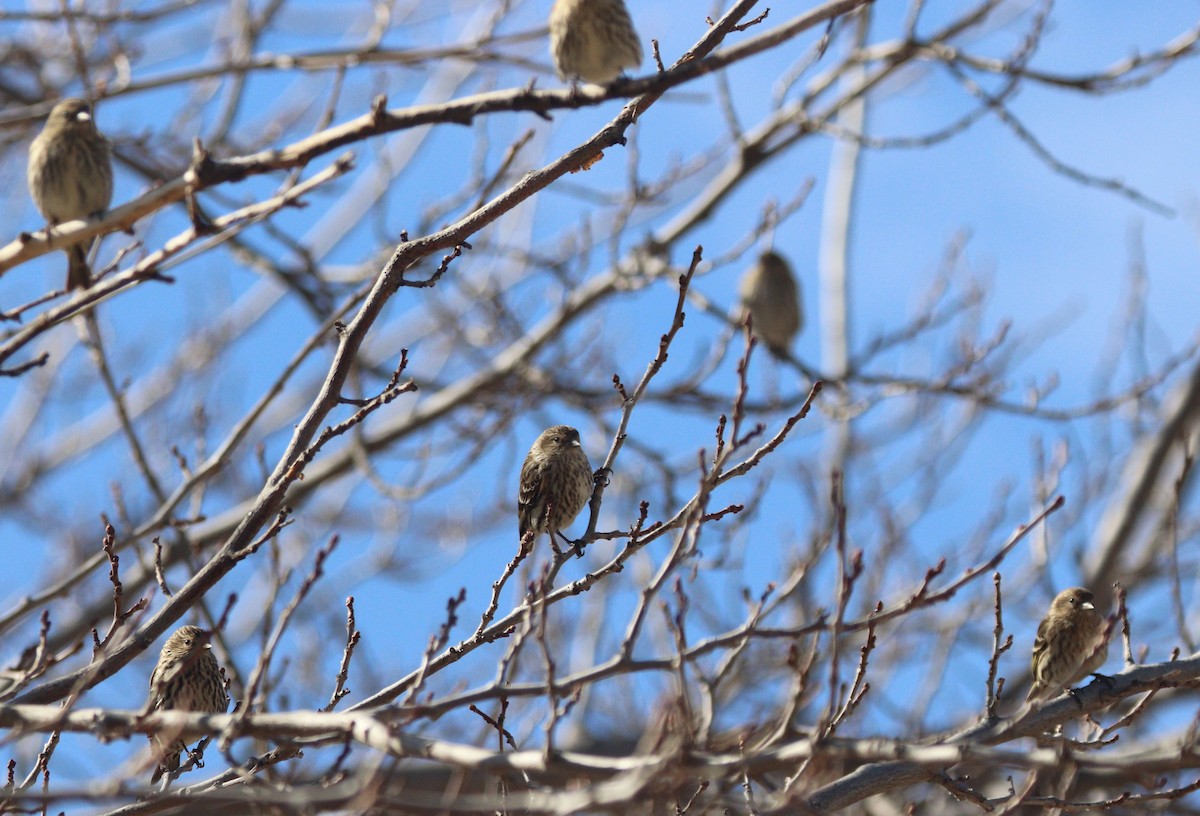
576, 444
207, 645
1087, 605
83, 116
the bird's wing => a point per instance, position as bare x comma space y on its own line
161, 679
529, 495
156, 688
1040, 644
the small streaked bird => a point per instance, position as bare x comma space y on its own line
771, 294
593, 40
1068, 646
187, 678
556, 482
70, 176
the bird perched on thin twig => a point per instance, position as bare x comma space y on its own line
186, 678
556, 482
593, 40
770, 293
70, 176
1069, 644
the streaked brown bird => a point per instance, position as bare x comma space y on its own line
187, 678
593, 40
770, 293
1068, 646
70, 176
556, 482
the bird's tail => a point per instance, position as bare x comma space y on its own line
79, 275
169, 763
168, 758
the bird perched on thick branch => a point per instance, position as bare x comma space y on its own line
1068, 646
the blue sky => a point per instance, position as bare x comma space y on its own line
1055, 256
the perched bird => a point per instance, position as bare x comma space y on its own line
556, 482
187, 678
770, 293
593, 40
1068, 646
70, 176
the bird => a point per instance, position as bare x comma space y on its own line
593, 40
70, 176
770, 294
1069, 644
186, 678
556, 482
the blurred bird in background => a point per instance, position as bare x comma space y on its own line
593, 40
70, 176
770, 294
